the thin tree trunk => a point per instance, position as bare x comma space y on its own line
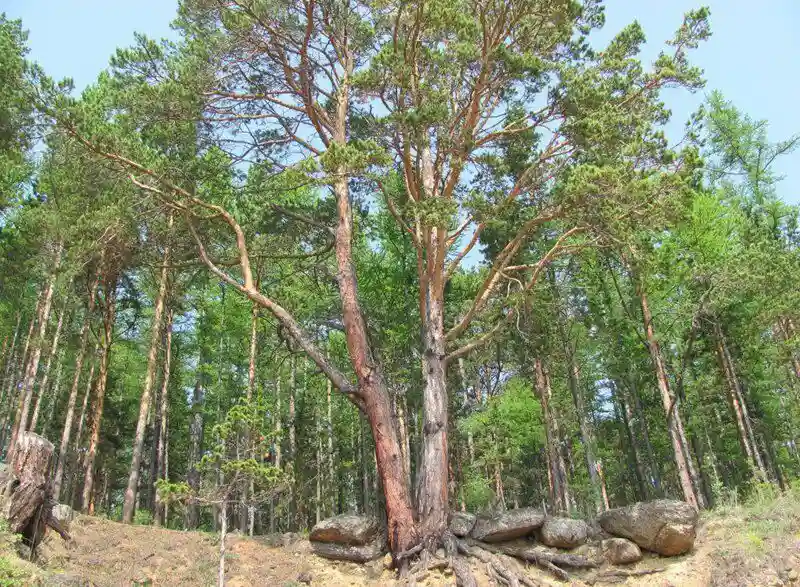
223, 533
622, 412
247, 514
12, 390
292, 456
73, 394
587, 436
10, 360
100, 391
129, 502
54, 396
560, 497
47, 367
669, 401
26, 393
163, 416
333, 486
738, 406
278, 457
195, 450
318, 463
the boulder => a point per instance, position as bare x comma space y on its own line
347, 529
462, 523
591, 552
63, 514
665, 526
621, 551
508, 525
564, 532
348, 552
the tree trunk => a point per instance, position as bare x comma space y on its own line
26, 393
292, 456
195, 450
622, 413
223, 533
100, 392
163, 419
333, 486
47, 367
669, 401
587, 436
10, 360
738, 406
12, 390
433, 473
73, 394
559, 499
129, 502
30, 505
278, 453
54, 396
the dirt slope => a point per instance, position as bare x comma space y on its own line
105, 553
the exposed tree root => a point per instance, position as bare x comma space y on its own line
502, 562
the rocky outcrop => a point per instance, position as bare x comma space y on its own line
564, 532
348, 537
621, 551
462, 523
665, 526
508, 525
345, 529
63, 514
347, 552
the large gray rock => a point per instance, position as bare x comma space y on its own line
564, 532
509, 525
462, 523
63, 514
347, 552
348, 529
664, 526
621, 551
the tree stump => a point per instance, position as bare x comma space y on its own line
28, 492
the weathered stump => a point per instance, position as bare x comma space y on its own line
28, 492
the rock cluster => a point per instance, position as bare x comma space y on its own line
348, 537
666, 527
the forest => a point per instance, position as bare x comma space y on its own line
315, 257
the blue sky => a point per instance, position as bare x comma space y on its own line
753, 56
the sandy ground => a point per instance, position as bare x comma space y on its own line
105, 554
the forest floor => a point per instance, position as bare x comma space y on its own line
738, 545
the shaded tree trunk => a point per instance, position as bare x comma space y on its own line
559, 498
54, 396
333, 486
278, 457
48, 365
10, 360
584, 423
195, 450
26, 393
73, 394
12, 390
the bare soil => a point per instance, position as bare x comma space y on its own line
105, 553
